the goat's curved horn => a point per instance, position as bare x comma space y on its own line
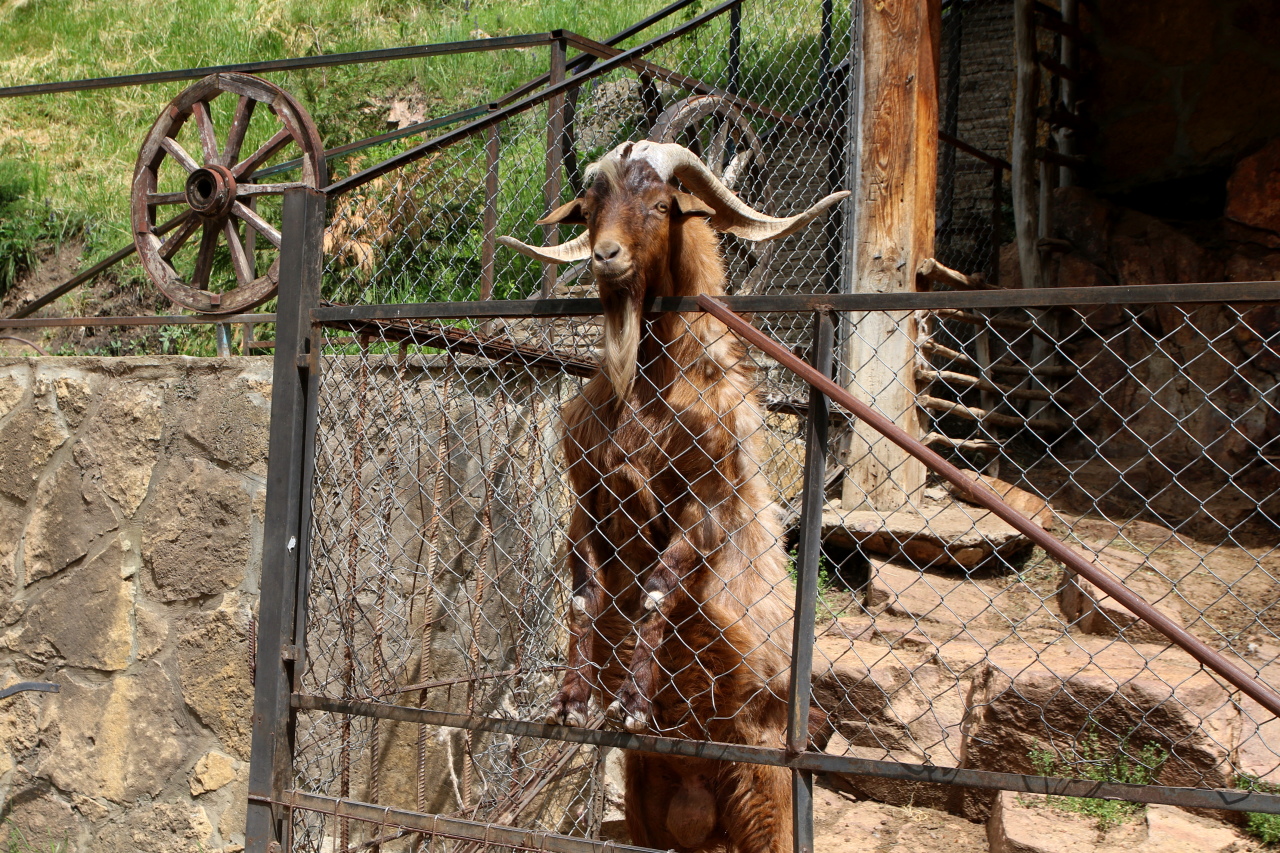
732, 214
577, 249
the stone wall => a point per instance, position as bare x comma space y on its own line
131, 504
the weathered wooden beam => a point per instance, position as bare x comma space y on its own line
932, 272
1026, 98
953, 378
972, 413
895, 131
970, 444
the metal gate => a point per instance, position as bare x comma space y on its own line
412, 629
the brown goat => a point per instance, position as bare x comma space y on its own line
681, 610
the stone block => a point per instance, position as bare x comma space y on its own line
229, 422
29, 437
213, 667
73, 395
1023, 823
19, 726
122, 739
87, 616
1253, 190
1094, 612
214, 770
157, 828
35, 818
946, 534
196, 539
15, 379
122, 441
70, 514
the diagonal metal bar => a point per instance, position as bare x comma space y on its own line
1252, 687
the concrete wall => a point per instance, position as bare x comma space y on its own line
131, 503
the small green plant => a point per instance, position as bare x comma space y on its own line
826, 583
16, 842
1091, 760
1264, 827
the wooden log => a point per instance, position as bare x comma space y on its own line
1039, 370
952, 377
933, 272
895, 127
971, 444
1025, 196
972, 413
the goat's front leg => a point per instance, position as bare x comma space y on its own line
663, 590
569, 707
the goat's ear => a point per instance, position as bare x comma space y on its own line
566, 214
690, 205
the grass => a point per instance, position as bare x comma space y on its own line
16, 842
26, 224
1264, 827
1096, 762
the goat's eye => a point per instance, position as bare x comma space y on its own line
661, 207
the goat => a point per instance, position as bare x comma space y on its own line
681, 608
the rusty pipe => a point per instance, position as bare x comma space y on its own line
1255, 689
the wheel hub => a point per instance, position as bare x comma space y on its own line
211, 191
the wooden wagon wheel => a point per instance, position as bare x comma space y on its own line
219, 197
715, 130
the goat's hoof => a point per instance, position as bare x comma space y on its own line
653, 600
636, 724
615, 711
567, 717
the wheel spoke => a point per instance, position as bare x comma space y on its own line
176, 240
239, 258
204, 123
258, 224
204, 260
177, 152
266, 189
166, 198
257, 158
239, 127
251, 236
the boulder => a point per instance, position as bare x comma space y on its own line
943, 534
843, 824
15, 379
1253, 188
1094, 612
34, 818
214, 770
156, 828
230, 421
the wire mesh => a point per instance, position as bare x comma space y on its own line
449, 510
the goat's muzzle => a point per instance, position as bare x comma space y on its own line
610, 261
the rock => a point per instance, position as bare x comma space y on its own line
923, 596
1171, 830
19, 727
842, 824
1049, 697
122, 441
1075, 271
87, 616
1225, 118
121, 739
1253, 190
28, 437
35, 818
70, 514
1148, 251
213, 667
945, 534
230, 423
14, 381
73, 396
156, 828
1095, 612
1085, 221
196, 539
213, 771
1030, 505
1023, 823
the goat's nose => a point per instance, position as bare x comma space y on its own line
605, 251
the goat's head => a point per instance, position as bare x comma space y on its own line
638, 220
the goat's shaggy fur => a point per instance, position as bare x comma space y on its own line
682, 603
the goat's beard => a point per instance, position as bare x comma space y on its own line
622, 319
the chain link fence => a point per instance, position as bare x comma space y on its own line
443, 503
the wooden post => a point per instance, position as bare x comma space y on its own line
895, 135
555, 158
1025, 196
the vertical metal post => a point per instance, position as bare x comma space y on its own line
488, 239
735, 47
809, 548
293, 405
555, 157
222, 339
